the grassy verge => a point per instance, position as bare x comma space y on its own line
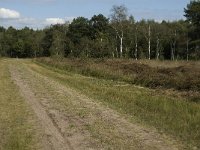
16, 127
175, 116
182, 76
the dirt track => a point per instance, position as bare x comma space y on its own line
70, 120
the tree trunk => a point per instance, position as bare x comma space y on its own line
157, 49
172, 52
113, 55
121, 46
187, 49
136, 51
87, 49
149, 42
126, 53
136, 45
174, 49
117, 52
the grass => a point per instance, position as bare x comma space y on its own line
182, 76
176, 116
16, 125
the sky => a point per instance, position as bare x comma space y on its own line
38, 14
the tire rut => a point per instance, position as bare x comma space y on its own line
56, 140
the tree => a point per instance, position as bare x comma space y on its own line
26, 35
47, 41
145, 29
37, 43
136, 43
2, 33
100, 29
119, 15
78, 29
99, 24
119, 36
10, 39
58, 44
192, 14
18, 48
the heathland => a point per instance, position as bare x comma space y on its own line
162, 94
98, 104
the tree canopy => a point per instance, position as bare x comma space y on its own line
192, 12
114, 37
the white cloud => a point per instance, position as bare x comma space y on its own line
34, 23
50, 21
9, 14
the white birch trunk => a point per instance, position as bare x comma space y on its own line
149, 42
136, 45
136, 51
121, 41
121, 46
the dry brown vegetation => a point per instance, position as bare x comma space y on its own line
179, 75
170, 109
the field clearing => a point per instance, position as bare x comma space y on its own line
72, 111
169, 111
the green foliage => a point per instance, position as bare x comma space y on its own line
98, 37
99, 25
78, 29
192, 14
58, 44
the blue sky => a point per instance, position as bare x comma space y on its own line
41, 13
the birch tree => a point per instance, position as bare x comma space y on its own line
173, 45
119, 15
136, 43
145, 29
157, 48
149, 41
